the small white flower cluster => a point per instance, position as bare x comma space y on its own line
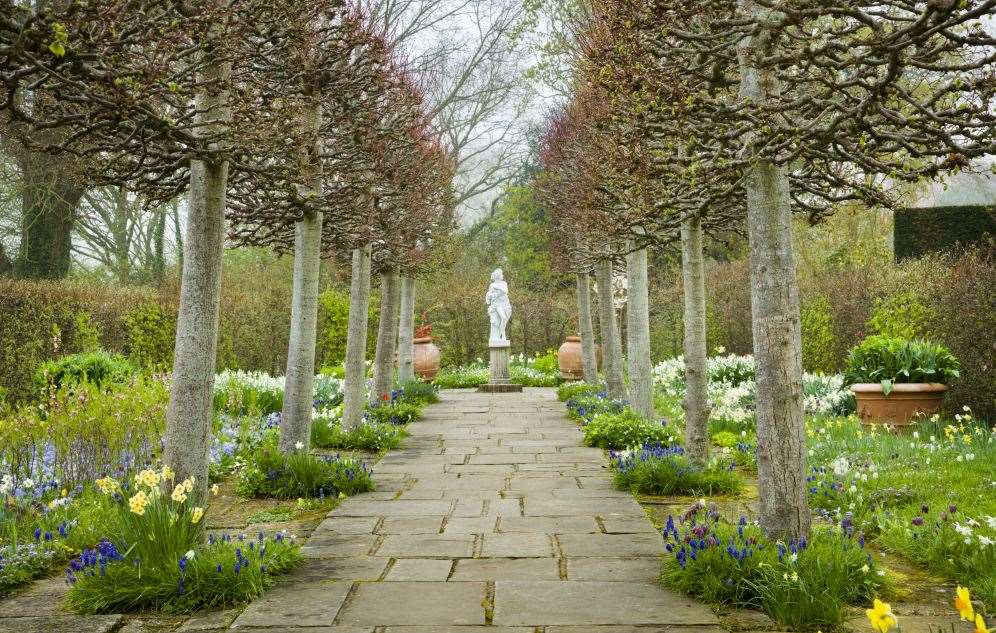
969, 530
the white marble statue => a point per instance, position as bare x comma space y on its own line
499, 308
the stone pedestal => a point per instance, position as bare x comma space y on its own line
499, 381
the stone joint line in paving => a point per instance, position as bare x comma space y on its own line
491, 516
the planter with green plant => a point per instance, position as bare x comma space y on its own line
895, 380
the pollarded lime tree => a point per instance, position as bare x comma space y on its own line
405, 203
315, 80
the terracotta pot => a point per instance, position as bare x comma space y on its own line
426, 358
569, 359
903, 406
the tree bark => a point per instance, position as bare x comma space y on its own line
589, 360
696, 402
406, 331
188, 417
387, 332
355, 378
641, 382
611, 343
781, 436
299, 382
51, 193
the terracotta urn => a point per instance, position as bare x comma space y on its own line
426, 358
904, 405
569, 359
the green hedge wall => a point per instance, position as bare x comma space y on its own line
921, 231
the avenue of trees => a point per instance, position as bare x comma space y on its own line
692, 117
291, 124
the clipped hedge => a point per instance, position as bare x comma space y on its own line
918, 232
44, 320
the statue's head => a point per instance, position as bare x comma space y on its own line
497, 275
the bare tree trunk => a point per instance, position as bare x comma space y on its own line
611, 343
188, 418
178, 233
781, 436
387, 332
158, 263
355, 378
406, 331
589, 361
299, 382
50, 195
641, 382
696, 403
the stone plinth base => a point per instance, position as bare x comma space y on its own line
499, 381
500, 388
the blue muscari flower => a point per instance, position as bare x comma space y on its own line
861, 541
781, 551
219, 568
238, 566
48, 536
38, 533
62, 529
183, 563
262, 569
261, 536
252, 546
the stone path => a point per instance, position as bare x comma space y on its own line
492, 517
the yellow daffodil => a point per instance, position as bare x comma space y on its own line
214, 489
195, 517
179, 494
106, 485
980, 624
148, 478
65, 493
138, 502
188, 484
881, 617
168, 473
963, 603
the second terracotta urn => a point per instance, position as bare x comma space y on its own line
426, 358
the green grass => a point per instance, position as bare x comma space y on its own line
900, 490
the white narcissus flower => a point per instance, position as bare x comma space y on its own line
189, 555
299, 445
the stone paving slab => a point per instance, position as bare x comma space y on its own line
297, 603
536, 603
427, 546
506, 569
517, 545
415, 603
432, 569
614, 569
